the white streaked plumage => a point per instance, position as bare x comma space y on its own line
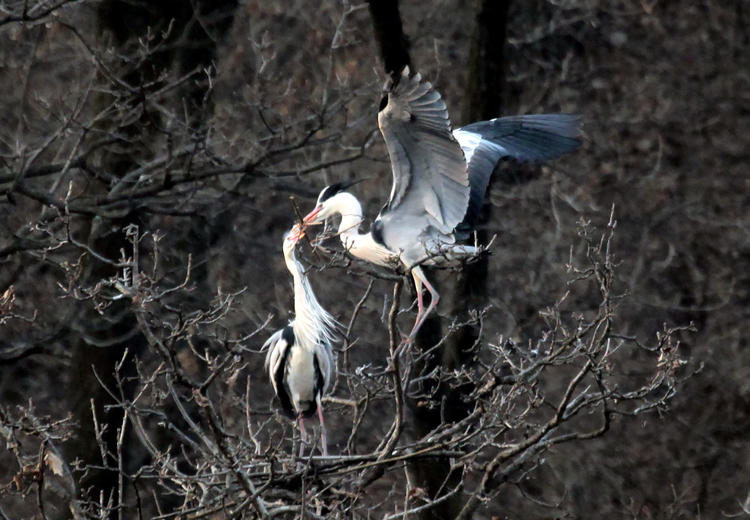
439, 179
300, 360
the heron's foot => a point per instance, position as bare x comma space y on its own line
406, 341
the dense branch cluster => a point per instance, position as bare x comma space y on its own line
189, 403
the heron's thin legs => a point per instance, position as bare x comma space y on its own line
419, 279
420, 298
302, 435
323, 435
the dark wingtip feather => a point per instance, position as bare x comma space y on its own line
530, 138
536, 137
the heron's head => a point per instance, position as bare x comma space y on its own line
327, 204
291, 238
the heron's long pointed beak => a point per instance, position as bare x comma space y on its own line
309, 219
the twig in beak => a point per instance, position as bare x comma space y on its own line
300, 218
301, 224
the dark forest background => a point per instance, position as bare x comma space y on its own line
152, 154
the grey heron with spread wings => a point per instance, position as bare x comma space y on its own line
439, 179
300, 360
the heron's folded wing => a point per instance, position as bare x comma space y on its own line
277, 346
429, 169
325, 361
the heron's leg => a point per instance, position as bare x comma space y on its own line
302, 435
323, 435
419, 280
420, 298
406, 340
420, 310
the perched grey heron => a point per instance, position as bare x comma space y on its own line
439, 179
300, 360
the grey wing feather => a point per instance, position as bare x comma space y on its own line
324, 355
276, 346
429, 170
536, 137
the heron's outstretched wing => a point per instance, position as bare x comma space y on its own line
536, 137
429, 170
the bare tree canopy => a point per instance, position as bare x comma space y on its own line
152, 154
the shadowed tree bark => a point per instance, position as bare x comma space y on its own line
486, 80
468, 289
389, 33
483, 100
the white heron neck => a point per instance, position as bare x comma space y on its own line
350, 210
312, 323
358, 244
293, 266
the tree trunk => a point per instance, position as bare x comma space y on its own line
389, 34
483, 100
467, 290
